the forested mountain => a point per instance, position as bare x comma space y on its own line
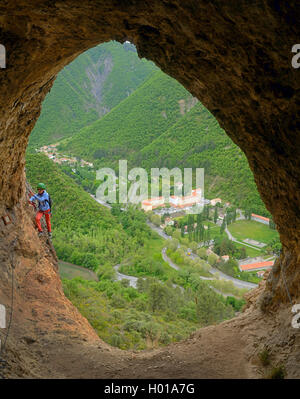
88, 88
197, 141
161, 124
138, 120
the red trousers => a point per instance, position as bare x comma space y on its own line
47, 217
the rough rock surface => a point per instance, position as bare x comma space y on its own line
235, 57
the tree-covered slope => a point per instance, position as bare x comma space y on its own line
155, 106
189, 136
197, 141
88, 88
84, 232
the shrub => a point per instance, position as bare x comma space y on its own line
212, 259
116, 340
165, 338
202, 253
117, 301
277, 373
125, 283
106, 272
264, 357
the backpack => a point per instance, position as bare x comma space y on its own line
50, 201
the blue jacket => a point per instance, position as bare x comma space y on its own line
43, 200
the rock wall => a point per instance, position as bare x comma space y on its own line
29, 270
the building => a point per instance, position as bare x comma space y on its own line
214, 201
256, 266
260, 219
152, 203
225, 258
83, 163
177, 201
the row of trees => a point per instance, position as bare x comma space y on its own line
224, 246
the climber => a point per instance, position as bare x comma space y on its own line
44, 201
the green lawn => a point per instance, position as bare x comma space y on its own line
69, 271
154, 245
243, 229
250, 252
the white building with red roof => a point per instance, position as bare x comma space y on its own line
175, 201
152, 203
189, 200
214, 201
256, 266
260, 219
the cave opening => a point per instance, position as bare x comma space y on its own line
53, 136
223, 54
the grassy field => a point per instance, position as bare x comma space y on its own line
243, 229
250, 252
69, 271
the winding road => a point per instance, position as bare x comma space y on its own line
132, 280
158, 230
101, 202
238, 283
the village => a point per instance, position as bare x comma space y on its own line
172, 212
52, 153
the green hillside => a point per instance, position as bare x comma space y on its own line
84, 232
189, 136
155, 106
87, 89
197, 141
